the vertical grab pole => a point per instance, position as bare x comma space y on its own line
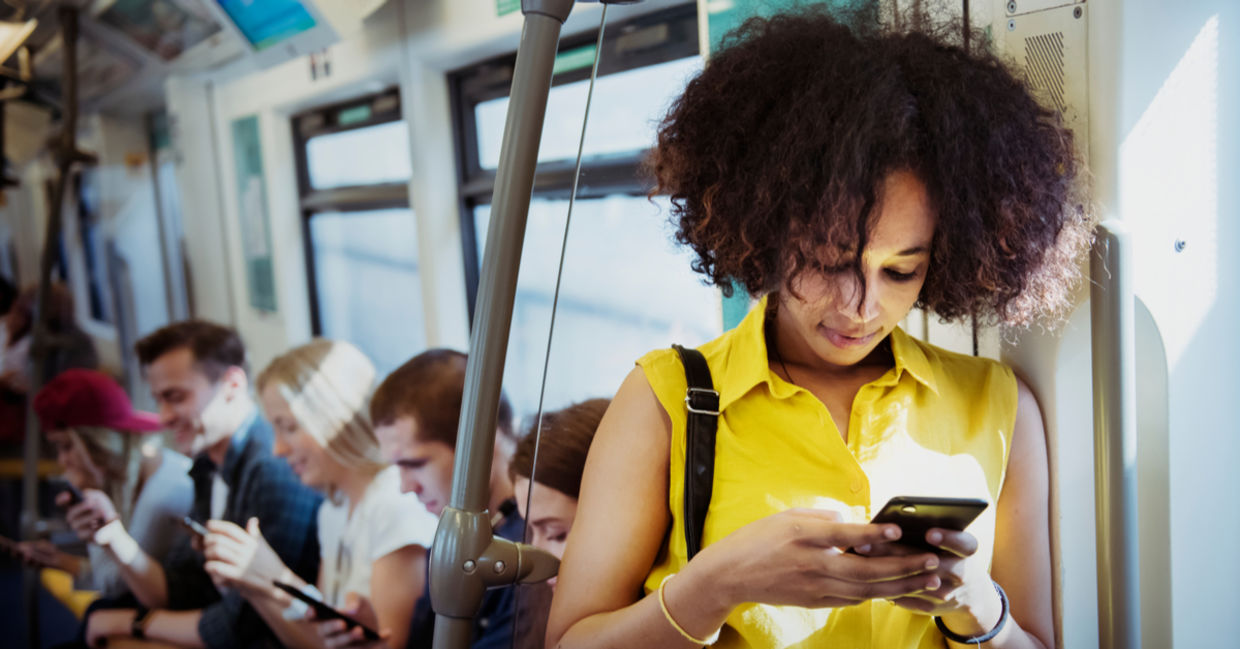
66, 153
464, 533
1113, 335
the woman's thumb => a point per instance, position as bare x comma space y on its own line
251, 526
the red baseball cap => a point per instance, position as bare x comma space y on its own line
80, 397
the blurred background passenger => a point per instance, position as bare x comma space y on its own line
133, 495
373, 538
562, 447
198, 375
549, 503
416, 411
69, 346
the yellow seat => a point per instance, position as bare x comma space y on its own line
60, 584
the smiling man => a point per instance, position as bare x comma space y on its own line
416, 412
197, 373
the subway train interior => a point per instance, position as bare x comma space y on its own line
206, 180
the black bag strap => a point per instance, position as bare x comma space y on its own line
702, 402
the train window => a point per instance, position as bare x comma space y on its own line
626, 287
623, 113
626, 290
353, 169
333, 161
358, 258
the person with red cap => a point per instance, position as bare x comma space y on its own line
131, 502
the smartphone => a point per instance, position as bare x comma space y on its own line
325, 612
917, 514
194, 527
75, 494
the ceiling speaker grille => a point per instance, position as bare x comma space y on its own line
1044, 65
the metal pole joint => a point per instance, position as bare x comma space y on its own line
477, 560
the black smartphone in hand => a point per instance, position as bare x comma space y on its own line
325, 612
918, 514
75, 494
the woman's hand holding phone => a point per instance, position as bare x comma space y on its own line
797, 557
967, 593
966, 586
87, 511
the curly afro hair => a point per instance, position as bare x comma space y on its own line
774, 154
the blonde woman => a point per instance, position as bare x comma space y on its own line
372, 538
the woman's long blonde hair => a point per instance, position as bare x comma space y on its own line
327, 384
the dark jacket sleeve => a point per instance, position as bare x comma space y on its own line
188, 585
493, 627
232, 622
287, 513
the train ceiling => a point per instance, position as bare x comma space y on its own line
126, 49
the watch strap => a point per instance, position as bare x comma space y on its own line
137, 628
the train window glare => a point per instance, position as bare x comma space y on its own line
367, 283
353, 170
626, 289
623, 115
364, 156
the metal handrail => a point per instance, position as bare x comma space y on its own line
67, 156
1113, 334
466, 558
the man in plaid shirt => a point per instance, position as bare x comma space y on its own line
197, 375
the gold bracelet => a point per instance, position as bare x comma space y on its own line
701, 642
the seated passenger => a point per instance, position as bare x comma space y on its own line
130, 503
197, 373
373, 538
562, 446
72, 348
565, 441
416, 411
843, 174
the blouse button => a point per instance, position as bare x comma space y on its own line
855, 486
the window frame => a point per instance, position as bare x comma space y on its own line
658, 37
385, 107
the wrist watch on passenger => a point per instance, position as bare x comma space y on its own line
137, 628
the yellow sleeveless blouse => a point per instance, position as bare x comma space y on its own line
936, 424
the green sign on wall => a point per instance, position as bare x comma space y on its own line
505, 7
252, 211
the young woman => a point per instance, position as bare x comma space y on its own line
844, 174
133, 496
548, 504
373, 539
552, 496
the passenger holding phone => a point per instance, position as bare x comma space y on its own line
198, 376
843, 174
121, 504
373, 538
